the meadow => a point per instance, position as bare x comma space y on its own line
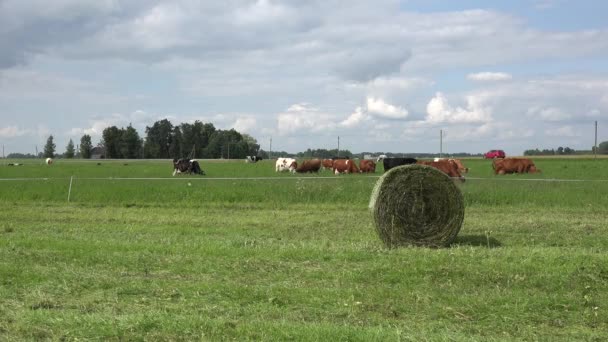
247, 254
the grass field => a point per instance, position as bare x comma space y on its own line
247, 254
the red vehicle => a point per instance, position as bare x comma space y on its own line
494, 154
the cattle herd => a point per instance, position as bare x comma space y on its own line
454, 168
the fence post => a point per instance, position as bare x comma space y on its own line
70, 189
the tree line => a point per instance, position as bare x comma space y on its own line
602, 148
163, 140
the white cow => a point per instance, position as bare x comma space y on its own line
286, 164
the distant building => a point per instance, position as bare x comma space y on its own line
98, 152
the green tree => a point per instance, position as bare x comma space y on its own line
49, 148
130, 143
602, 148
86, 146
196, 136
175, 147
253, 148
111, 140
158, 139
69, 150
227, 144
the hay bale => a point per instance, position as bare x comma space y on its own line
416, 205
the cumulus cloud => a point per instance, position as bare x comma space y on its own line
244, 124
548, 114
379, 108
356, 118
138, 119
12, 131
438, 110
489, 76
563, 131
304, 117
364, 65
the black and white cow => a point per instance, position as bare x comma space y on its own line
252, 159
390, 163
188, 166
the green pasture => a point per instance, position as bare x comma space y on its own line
244, 253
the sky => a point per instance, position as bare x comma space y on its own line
383, 76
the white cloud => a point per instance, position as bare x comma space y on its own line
304, 117
548, 114
564, 131
379, 108
262, 11
489, 76
439, 111
357, 117
244, 124
12, 131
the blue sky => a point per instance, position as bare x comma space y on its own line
384, 75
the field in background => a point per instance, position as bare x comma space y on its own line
294, 257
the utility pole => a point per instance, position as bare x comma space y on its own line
338, 145
440, 143
595, 144
36, 151
270, 149
3, 157
229, 150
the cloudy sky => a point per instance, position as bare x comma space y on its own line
383, 75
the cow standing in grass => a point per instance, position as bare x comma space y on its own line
345, 166
286, 164
189, 166
367, 166
313, 165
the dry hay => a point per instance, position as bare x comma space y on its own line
417, 205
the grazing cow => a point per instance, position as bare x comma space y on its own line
513, 165
459, 165
381, 157
286, 164
327, 164
345, 166
390, 163
367, 166
252, 159
445, 166
189, 166
313, 165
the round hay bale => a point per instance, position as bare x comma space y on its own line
417, 205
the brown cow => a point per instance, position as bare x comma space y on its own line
327, 164
445, 166
513, 165
345, 166
459, 165
311, 166
367, 166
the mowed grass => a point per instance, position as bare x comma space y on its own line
289, 258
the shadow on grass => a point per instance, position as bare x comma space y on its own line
477, 240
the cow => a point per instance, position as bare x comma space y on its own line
367, 166
390, 163
327, 164
313, 165
445, 166
345, 166
286, 164
459, 165
513, 165
381, 157
189, 166
252, 159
